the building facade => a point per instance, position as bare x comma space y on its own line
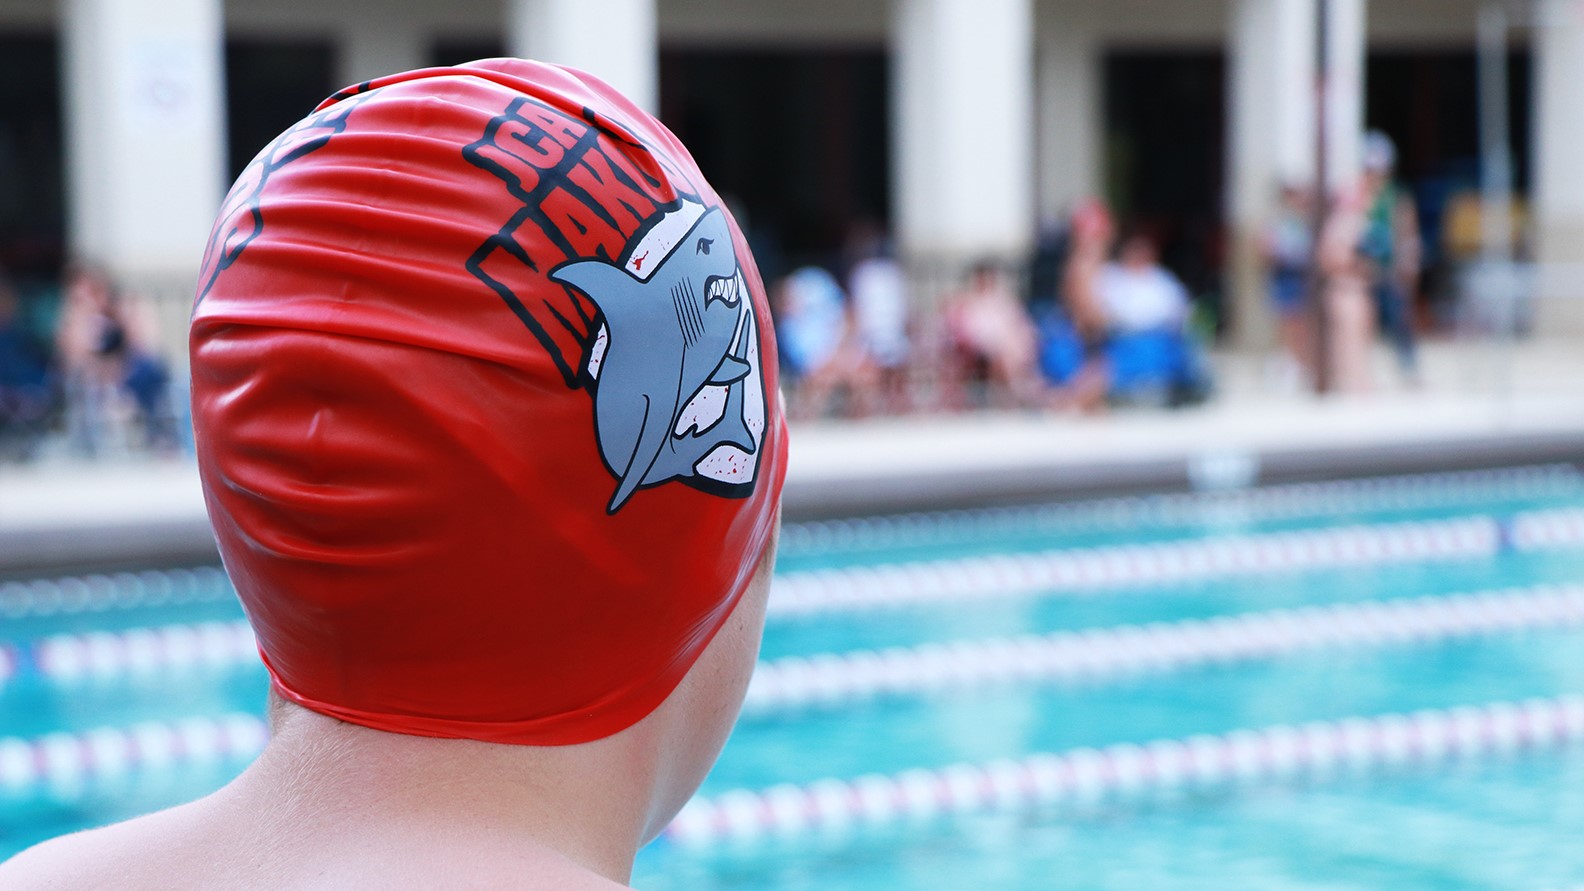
959, 125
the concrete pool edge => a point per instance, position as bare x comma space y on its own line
71, 517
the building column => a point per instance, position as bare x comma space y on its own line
963, 130
1345, 43
376, 45
615, 40
1271, 142
1558, 188
144, 110
1067, 93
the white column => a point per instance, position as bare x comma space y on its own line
615, 40
963, 134
1067, 94
375, 45
1271, 140
1558, 189
1345, 42
145, 131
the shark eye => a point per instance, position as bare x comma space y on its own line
704, 246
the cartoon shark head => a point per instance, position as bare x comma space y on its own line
678, 395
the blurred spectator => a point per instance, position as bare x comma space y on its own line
1074, 342
809, 315
992, 338
1369, 252
1052, 245
1485, 305
878, 290
105, 345
1350, 320
1389, 245
1289, 256
812, 329
27, 396
1150, 356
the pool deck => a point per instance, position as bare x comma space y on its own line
1476, 406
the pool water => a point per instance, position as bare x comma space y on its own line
1504, 820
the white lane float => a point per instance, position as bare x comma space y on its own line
1081, 570
1128, 771
122, 590
1260, 503
67, 658
1102, 653
109, 752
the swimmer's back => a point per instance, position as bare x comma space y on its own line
208, 844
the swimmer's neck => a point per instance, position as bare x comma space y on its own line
339, 790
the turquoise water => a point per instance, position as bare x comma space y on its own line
1497, 823
1507, 825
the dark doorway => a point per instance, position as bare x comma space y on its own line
1165, 156
798, 140
32, 181
270, 85
449, 51
1427, 102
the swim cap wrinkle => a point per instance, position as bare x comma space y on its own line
485, 404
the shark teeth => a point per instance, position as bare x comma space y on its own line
727, 289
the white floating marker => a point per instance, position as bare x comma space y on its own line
70, 758
1093, 655
1127, 772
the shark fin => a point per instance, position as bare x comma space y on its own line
651, 439
602, 282
730, 370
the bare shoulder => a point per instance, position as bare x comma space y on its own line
132, 855
79, 860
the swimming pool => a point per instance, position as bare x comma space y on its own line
1369, 683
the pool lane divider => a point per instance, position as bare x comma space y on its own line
110, 752
1128, 771
1078, 570
809, 592
843, 677
123, 590
1100, 654
1127, 513
103, 655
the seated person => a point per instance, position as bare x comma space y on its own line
1146, 308
1074, 333
485, 398
816, 338
879, 296
989, 329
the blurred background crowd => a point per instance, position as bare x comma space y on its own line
1030, 205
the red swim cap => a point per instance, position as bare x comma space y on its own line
484, 387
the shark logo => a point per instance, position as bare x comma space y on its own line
647, 307
678, 392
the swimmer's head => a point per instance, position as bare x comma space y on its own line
485, 398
